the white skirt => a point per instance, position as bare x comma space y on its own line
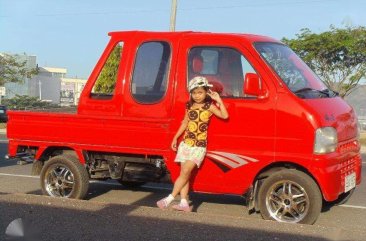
190, 153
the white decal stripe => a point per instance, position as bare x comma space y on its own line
249, 158
231, 156
224, 160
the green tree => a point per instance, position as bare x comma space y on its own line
24, 102
12, 70
108, 76
337, 56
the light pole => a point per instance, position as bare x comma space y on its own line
173, 15
40, 89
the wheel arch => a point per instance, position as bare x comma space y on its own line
45, 153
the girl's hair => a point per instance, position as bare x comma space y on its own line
208, 99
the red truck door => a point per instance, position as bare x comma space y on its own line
101, 101
148, 93
247, 137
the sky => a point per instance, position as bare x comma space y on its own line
72, 34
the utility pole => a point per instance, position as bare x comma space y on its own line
173, 15
40, 89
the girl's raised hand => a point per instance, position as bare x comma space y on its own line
222, 112
214, 95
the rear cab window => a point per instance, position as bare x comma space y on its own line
104, 86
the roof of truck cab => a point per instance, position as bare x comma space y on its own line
179, 34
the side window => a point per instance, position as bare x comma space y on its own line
149, 80
105, 84
225, 68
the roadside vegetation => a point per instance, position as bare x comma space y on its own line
24, 102
363, 138
337, 56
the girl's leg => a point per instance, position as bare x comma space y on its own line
183, 178
184, 191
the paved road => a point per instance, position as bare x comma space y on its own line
112, 212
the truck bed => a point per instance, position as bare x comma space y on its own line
86, 132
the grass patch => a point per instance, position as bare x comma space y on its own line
2, 125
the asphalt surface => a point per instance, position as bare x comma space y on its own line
112, 212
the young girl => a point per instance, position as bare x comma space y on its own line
192, 149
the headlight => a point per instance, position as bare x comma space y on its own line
325, 140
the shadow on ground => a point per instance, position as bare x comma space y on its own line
56, 219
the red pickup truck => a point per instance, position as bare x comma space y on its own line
290, 143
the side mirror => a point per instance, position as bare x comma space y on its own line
252, 84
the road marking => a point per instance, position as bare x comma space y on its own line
352, 206
17, 175
4, 141
91, 181
146, 186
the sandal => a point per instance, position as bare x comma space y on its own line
162, 204
184, 208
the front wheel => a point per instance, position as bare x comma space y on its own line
290, 196
64, 176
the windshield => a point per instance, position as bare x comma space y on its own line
298, 77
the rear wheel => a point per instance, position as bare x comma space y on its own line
290, 196
64, 176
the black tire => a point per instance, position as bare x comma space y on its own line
36, 168
64, 176
290, 196
131, 184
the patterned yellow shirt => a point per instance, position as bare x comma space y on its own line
196, 132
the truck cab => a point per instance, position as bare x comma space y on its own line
289, 145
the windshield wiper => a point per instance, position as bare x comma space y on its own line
330, 92
326, 91
307, 89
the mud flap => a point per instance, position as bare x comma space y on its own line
250, 198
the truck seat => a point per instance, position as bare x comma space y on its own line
196, 69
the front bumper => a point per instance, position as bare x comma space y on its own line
332, 170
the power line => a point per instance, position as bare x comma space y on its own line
183, 9
262, 4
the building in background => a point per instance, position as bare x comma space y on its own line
70, 91
50, 84
46, 84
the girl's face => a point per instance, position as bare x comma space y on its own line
199, 94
